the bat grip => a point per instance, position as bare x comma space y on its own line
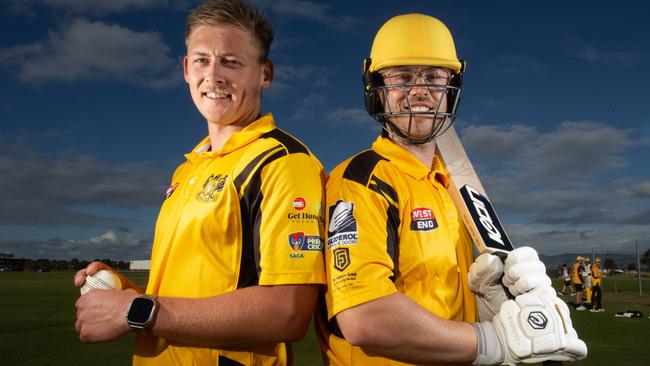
503, 256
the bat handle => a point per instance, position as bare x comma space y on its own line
503, 256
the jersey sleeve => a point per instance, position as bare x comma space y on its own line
290, 221
358, 252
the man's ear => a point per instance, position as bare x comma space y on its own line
185, 76
267, 74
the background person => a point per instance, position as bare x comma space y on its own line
576, 277
586, 279
566, 279
596, 293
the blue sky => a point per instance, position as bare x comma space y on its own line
95, 114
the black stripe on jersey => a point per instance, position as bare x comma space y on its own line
392, 222
291, 143
361, 166
224, 361
241, 178
251, 218
383, 188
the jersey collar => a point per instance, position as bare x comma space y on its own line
237, 140
409, 164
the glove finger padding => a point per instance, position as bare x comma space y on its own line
484, 280
523, 271
486, 270
521, 254
528, 281
535, 327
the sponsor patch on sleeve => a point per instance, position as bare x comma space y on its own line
300, 243
341, 258
298, 203
342, 228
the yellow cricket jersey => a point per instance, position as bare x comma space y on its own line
576, 275
391, 227
249, 214
596, 275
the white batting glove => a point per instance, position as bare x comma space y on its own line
523, 271
535, 327
485, 281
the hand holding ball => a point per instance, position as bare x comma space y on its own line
103, 279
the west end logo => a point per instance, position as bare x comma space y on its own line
212, 186
422, 219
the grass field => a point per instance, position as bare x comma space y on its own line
37, 325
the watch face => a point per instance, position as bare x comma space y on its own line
140, 310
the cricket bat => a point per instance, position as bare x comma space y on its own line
472, 201
470, 197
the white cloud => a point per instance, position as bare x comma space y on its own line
289, 79
351, 117
108, 245
549, 241
44, 190
309, 10
317, 76
90, 6
107, 237
87, 50
568, 176
639, 190
567, 154
592, 54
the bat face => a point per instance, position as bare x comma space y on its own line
485, 220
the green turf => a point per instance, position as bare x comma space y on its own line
37, 325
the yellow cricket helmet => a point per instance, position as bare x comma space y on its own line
579, 258
412, 40
587, 259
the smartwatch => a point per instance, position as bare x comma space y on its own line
141, 312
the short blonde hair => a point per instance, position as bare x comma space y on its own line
238, 13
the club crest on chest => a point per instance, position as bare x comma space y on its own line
212, 186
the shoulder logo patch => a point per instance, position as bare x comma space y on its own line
342, 228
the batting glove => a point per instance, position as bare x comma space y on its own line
485, 281
535, 327
523, 271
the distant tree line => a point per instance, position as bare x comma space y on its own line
45, 265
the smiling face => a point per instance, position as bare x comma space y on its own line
414, 95
225, 74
